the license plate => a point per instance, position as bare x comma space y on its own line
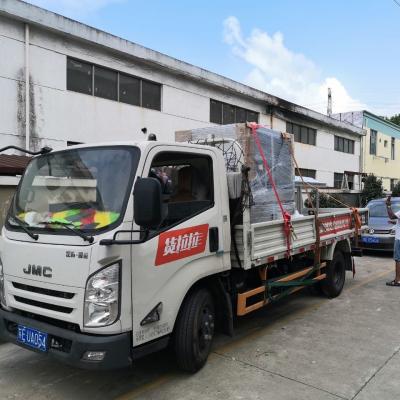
370, 239
32, 338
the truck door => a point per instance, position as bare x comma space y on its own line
186, 247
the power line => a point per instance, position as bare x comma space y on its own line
397, 2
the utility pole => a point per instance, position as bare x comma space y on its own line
329, 110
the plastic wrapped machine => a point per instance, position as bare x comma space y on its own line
237, 143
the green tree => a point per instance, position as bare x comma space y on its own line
396, 190
395, 119
373, 189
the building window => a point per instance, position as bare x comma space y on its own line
393, 183
241, 115
306, 173
216, 111
372, 142
129, 90
337, 180
344, 145
223, 113
393, 148
151, 95
105, 83
385, 143
113, 85
302, 134
228, 114
251, 116
296, 132
350, 180
79, 76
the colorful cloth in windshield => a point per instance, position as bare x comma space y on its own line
83, 218
86, 218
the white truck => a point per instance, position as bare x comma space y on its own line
112, 251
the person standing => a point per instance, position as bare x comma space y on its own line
395, 219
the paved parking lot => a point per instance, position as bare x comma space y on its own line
307, 347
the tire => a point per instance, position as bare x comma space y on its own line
194, 331
333, 284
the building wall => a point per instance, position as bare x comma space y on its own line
323, 158
185, 104
59, 115
381, 164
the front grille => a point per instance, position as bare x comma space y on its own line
51, 321
378, 246
47, 292
53, 307
382, 231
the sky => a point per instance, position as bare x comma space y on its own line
294, 49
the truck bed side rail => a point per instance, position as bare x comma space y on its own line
267, 243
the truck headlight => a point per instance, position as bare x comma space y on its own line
102, 297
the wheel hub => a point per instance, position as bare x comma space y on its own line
206, 331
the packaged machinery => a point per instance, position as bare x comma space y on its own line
243, 161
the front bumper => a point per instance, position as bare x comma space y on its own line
385, 242
71, 346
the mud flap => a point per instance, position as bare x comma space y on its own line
224, 307
349, 261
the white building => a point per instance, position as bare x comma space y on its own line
86, 85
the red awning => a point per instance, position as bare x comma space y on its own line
13, 164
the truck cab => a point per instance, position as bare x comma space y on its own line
103, 249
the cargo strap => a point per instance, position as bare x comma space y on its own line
306, 280
357, 227
299, 282
287, 218
302, 282
357, 223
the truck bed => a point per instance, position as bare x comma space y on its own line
265, 242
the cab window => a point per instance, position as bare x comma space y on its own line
187, 183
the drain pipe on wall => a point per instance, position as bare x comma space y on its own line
27, 89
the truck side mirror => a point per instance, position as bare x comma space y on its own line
149, 210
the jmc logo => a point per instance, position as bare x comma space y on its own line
38, 270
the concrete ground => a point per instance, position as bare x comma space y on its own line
306, 347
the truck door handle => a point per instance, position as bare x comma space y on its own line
213, 239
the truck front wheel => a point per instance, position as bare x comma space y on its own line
335, 271
194, 330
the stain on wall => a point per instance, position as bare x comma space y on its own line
21, 107
21, 119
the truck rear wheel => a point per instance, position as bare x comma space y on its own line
335, 271
194, 331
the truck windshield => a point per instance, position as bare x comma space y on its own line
84, 188
378, 209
